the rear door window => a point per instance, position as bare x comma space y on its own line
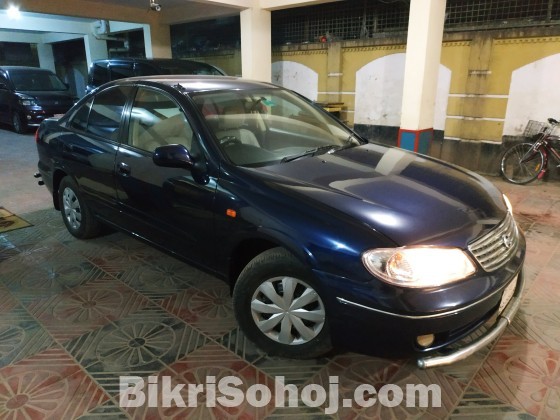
103, 116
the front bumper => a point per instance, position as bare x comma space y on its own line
35, 116
504, 319
458, 332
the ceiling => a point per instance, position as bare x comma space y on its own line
52, 21
60, 19
145, 4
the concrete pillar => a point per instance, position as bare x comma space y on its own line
476, 87
334, 72
256, 50
95, 48
46, 56
423, 54
157, 40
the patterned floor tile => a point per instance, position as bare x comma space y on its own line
523, 374
224, 381
7, 301
139, 344
110, 411
46, 280
7, 249
211, 312
437, 383
21, 335
297, 372
239, 344
86, 308
540, 324
47, 385
119, 249
344, 375
476, 404
544, 290
157, 282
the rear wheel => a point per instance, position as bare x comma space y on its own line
19, 125
77, 217
521, 164
279, 307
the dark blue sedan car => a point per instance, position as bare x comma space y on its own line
326, 240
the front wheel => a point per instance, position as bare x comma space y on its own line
279, 307
19, 125
521, 164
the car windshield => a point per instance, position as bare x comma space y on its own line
37, 81
270, 126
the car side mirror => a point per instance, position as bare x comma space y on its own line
173, 156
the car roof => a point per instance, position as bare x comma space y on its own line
150, 60
198, 83
24, 68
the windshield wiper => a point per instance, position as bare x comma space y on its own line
329, 148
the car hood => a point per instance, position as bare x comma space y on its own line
409, 198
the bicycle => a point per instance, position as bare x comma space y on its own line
525, 162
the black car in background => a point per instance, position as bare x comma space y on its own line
325, 239
28, 95
106, 70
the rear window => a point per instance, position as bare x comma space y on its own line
102, 114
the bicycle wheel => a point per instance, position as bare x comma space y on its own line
521, 172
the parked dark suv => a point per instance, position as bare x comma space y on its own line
103, 71
28, 95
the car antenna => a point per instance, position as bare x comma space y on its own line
180, 87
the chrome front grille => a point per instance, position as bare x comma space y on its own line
495, 248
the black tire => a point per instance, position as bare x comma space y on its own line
77, 217
519, 172
301, 332
18, 123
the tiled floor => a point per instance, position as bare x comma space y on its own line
75, 315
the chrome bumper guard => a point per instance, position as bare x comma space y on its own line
505, 318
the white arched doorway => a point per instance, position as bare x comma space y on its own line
297, 77
379, 91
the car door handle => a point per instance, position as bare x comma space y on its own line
123, 168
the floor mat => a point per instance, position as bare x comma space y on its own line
9, 221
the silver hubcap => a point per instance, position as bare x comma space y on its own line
288, 310
72, 210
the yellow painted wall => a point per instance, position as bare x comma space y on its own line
228, 61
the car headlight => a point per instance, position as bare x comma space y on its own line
421, 266
28, 102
